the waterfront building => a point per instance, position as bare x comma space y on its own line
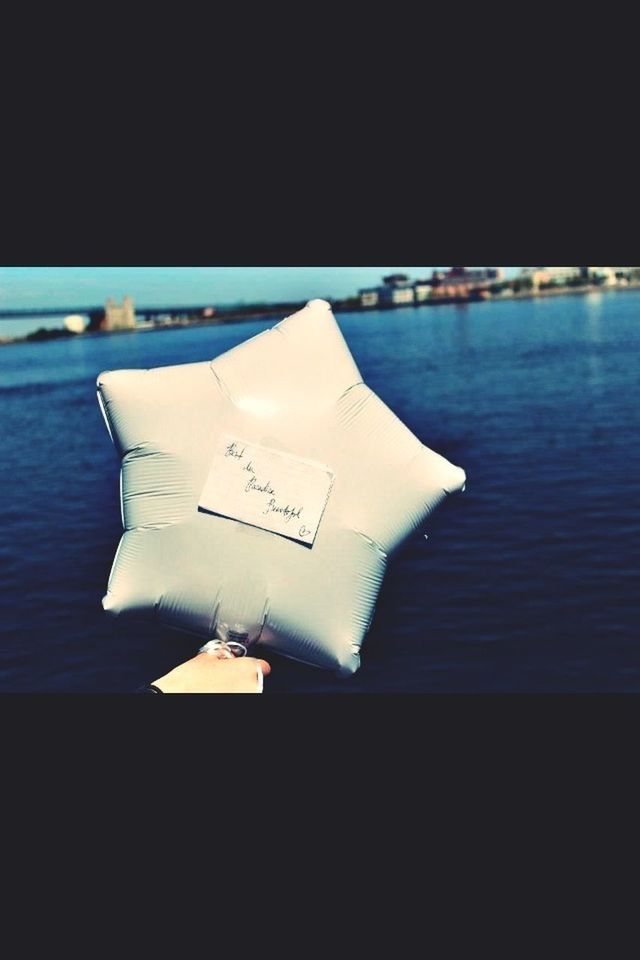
369, 297
462, 282
396, 290
119, 317
536, 275
607, 275
562, 274
422, 290
553, 275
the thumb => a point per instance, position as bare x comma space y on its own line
263, 670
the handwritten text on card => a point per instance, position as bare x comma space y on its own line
267, 488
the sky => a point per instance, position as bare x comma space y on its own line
183, 286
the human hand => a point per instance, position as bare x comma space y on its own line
207, 674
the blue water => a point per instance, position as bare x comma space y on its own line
528, 581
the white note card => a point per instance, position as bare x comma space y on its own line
267, 488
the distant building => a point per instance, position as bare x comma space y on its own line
119, 317
552, 275
461, 282
369, 297
396, 290
422, 290
607, 275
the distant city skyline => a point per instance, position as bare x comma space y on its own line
51, 287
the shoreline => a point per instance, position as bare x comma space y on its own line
528, 295
338, 307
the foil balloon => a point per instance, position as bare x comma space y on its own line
263, 492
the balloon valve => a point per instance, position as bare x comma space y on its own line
236, 645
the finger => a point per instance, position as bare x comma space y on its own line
265, 667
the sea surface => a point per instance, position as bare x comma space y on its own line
528, 580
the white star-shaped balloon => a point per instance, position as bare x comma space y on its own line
262, 492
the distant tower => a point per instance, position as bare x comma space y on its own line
119, 318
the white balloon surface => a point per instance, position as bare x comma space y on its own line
263, 491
